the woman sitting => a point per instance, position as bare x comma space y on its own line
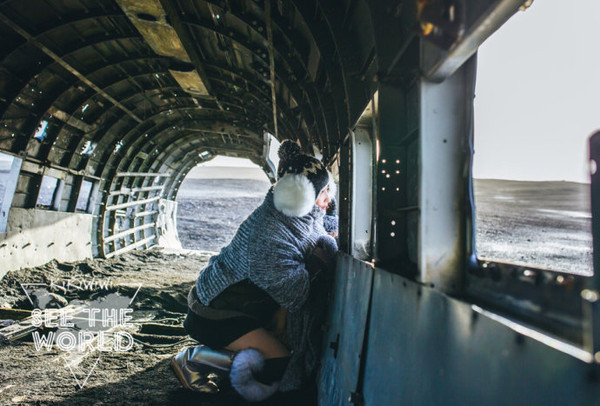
266, 272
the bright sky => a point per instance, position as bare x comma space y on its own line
223, 167
221, 160
538, 93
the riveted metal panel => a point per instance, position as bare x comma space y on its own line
425, 348
446, 124
344, 339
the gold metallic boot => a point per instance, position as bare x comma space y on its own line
203, 369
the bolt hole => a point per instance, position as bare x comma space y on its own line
180, 66
146, 17
519, 339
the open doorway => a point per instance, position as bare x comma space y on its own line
214, 198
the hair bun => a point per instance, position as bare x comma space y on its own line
288, 149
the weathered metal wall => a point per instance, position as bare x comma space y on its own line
34, 237
344, 338
425, 348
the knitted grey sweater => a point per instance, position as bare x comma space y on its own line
270, 250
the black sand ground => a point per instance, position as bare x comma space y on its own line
140, 376
538, 224
210, 210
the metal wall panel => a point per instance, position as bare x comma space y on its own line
446, 127
347, 322
425, 348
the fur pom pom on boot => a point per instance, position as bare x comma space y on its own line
245, 365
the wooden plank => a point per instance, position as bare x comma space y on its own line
25, 327
163, 329
13, 314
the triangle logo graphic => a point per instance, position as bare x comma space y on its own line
81, 383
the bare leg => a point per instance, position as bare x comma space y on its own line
260, 339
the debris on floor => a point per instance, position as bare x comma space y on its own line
35, 364
102, 332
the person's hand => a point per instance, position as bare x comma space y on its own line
323, 256
325, 250
332, 208
328, 244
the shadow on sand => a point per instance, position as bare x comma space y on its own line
166, 390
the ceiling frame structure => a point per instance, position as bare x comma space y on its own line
114, 100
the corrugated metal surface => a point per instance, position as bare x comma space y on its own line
425, 348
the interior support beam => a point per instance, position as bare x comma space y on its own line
271, 64
483, 18
153, 20
187, 42
61, 62
447, 127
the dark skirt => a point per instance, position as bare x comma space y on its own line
238, 310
